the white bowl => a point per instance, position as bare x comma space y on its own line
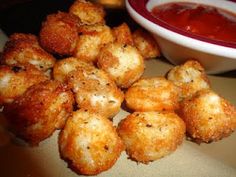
177, 47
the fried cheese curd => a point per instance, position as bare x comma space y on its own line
24, 48
41, 110
59, 34
208, 116
146, 44
89, 13
190, 77
95, 90
152, 94
122, 34
122, 62
63, 67
91, 39
90, 143
149, 136
16, 79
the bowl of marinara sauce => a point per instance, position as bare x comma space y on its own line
204, 30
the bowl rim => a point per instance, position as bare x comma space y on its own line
140, 7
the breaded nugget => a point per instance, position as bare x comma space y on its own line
149, 136
89, 13
208, 116
16, 79
41, 110
59, 33
89, 143
122, 62
122, 34
24, 48
95, 90
91, 39
64, 66
146, 44
152, 94
190, 77
112, 3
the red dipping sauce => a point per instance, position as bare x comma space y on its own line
202, 20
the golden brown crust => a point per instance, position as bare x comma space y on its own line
105, 63
91, 39
89, 13
152, 94
63, 67
41, 110
122, 34
59, 33
146, 44
16, 79
23, 36
122, 62
90, 143
24, 48
149, 136
94, 90
190, 77
208, 117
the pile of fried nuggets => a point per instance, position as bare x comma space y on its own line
81, 93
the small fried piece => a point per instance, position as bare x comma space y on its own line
41, 110
149, 136
89, 13
146, 44
59, 34
122, 62
16, 79
91, 39
208, 116
95, 90
122, 34
90, 143
152, 94
64, 66
24, 48
190, 77
113, 3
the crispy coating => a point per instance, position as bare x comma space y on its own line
146, 44
90, 143
152, 94
24, 48
149, 136
16, 79
91, 39
59, 33
95, 90
64, 66
208, 116
190, 77
122, 34
122, 62
112, 3
41, 110
89, 13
